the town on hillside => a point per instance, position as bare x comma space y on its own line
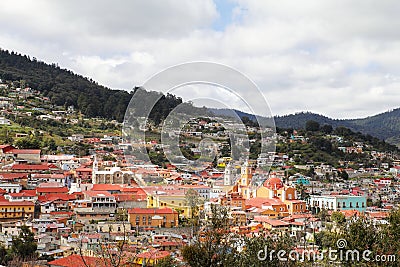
70, 197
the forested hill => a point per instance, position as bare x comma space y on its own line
65, 88
384, 126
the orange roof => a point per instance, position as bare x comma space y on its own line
153, 254
40, 167
24, 151
82, 169
350, 213
52, 190
273, 183
106, 187
12, 175
378, 214
16, 203
24, 193
265, 219
47, 175
52, 197
79, 261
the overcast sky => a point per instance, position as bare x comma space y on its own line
337, 58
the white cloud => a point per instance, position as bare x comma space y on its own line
332, 57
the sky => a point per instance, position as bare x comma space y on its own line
338, 58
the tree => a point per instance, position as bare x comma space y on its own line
327, 128
258, 248
302, 190
344, 175
194, 201
28, 143
338, 217
214, 245
108, 251
312, 126
24, 246
3, 255
166, 262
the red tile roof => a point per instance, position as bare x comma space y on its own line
12, 175
46, 175
81, 169
16, 203
24, 151
271, 222
40, 167
128, 197
24, 193
153, 254
52, 190
106, 187
79, 261
52, 197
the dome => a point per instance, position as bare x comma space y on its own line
273, 183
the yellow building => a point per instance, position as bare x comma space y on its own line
149, 258
223, 161
16, 210
173, 200
273, 188
244, 184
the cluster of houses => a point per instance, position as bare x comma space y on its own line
72, 204
75, 205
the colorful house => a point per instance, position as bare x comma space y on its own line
153, 217
16, 210
337, 203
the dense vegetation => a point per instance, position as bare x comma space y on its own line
23, 248
217, 246
65, 88
321, 145
385, 126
